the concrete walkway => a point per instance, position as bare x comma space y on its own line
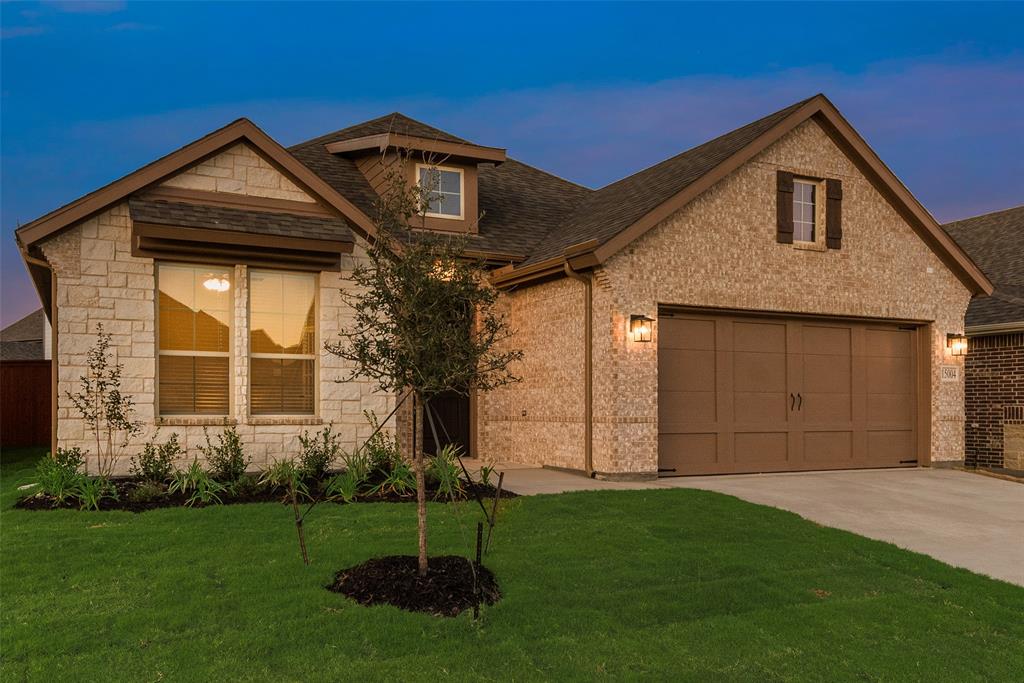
964, 519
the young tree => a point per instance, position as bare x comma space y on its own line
424, 316
106, 410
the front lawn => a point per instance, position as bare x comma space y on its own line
671, 584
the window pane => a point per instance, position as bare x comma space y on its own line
283, 387
193, 385
266, 333
449, 205
194, 308
176, 325
212, 331
429, 178
449, 181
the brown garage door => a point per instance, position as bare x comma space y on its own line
760, 394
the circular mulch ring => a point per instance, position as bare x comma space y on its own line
445, 591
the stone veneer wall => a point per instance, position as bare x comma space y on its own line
995, 381
99, 281
720, 250
239, 170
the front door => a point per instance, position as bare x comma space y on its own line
451, 420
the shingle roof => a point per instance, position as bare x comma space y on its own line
190, 215
995, 241
615, 207
520, 204
23, 339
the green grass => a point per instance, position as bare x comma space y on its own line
670, 584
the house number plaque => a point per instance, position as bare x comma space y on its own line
950, 373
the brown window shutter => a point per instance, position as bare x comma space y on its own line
784, 204
833, 213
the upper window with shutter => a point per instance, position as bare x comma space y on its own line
282, 343
804, 210
194, 331
804, 206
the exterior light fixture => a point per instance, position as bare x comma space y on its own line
640, 328
216, 283
957, 344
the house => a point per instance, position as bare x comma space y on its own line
995, 331
774, 299
26, 339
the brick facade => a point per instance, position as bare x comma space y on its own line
719, 250
99, 281
995, 401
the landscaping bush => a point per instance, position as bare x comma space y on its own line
381, 448
245, 486
156, 462
318, 452
444, 471
59, 475
91, 491
197, 484
146, 492
226, 458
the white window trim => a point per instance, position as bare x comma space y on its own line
462, 190
230, 354
315, 357
816, 227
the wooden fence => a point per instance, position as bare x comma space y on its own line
25, 403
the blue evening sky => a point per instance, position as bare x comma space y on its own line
590, 92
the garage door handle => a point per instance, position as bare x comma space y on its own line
792, 401
800, 405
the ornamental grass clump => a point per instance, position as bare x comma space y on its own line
60, 474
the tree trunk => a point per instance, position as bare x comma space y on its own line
421, 485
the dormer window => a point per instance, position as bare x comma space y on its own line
444, 189
804, 211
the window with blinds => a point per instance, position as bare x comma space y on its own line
194, 320
282, 343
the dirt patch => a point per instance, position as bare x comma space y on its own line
446, 590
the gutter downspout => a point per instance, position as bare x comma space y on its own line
53, 345
588, 384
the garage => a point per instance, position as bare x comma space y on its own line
744, 393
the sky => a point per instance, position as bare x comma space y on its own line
591, 92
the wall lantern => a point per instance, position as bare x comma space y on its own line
640, 328
957, 344
216, 284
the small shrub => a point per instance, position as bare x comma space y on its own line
285, 474
246, 486
91, 491
401, 480
60, 475
485, 474
146, 492
226, 458
197, 484
445, 472
156, 462
381, 448
318, 452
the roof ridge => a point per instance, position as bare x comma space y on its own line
395, 115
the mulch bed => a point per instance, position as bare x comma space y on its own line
167, 500
445, 591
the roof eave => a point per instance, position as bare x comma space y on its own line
385, 141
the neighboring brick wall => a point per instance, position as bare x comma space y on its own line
99, 281
995, 380
719, 250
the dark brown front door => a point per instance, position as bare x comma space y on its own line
763, 394
451, 420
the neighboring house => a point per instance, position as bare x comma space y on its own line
995, 329
773, 299
26, 339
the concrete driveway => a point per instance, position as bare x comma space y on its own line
964, 519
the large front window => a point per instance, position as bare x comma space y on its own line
443, 190
195, 339
282, 343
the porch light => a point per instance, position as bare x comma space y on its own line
640, 328
957, 344
216, 284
